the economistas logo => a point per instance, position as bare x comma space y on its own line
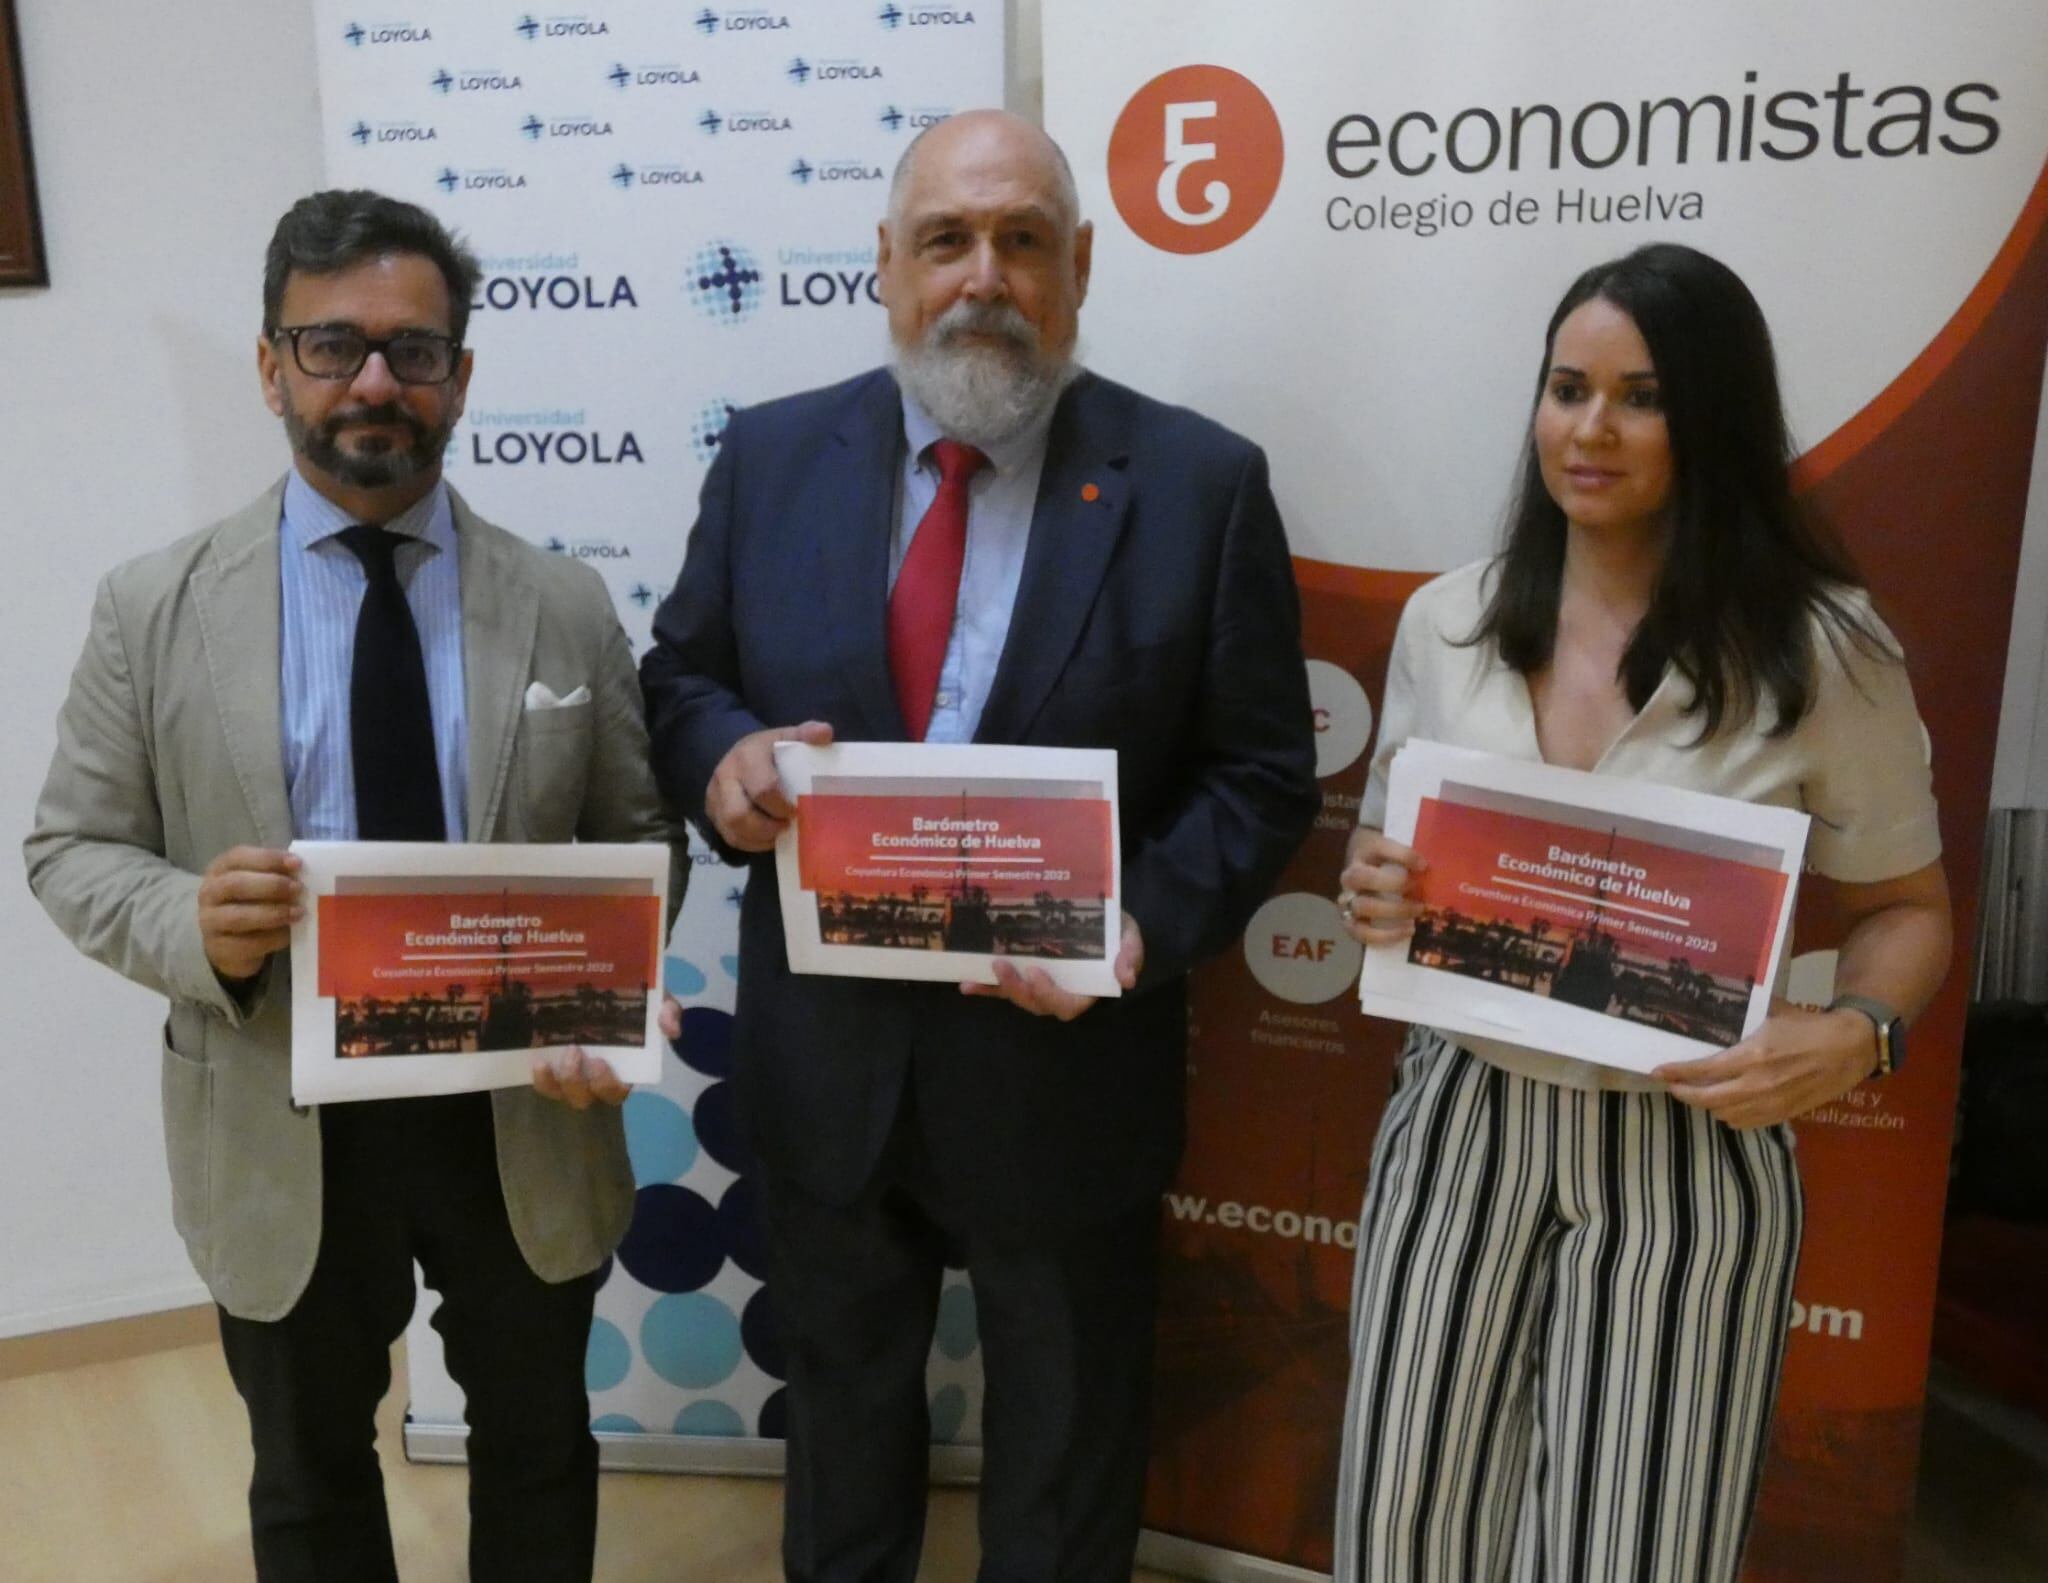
724, 282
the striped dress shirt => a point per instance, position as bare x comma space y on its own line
1000, 503
322, 586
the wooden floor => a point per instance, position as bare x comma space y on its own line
134, 1470
137, 1471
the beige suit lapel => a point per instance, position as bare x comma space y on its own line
235, 590
500, 616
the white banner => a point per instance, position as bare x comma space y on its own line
675, 206
1407, 191
1342, 230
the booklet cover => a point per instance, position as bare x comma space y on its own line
1604, 919
441, 969
929, 861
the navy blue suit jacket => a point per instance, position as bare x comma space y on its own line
1157, 616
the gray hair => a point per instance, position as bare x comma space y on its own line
1066, 196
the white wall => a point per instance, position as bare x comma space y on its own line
168, 138
166, 146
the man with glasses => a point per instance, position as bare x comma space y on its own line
357, 655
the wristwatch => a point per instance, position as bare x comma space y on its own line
1891, 1030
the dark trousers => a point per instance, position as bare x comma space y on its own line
1066, 1336
406, 1180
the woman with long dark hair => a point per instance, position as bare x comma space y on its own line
1573, 1282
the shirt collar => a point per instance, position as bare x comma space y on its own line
310, 517
1021, 450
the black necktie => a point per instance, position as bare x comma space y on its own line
391, 724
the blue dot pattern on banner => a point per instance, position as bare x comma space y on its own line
718, 1129
949, 1414
672, 1244
660, 1138
724, 282
710, 1418
608, 1359
706, 1044
731, 964
739, 1228
682, 979
691, 1340
957, 1332
763, 1339
616, 1424
774, 1420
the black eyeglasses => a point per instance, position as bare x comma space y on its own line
338, 351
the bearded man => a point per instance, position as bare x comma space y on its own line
356, 655
983, 545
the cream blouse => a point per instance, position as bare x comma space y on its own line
1857, 762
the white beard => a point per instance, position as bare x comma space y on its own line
980, 394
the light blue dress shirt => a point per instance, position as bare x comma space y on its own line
1000, 502
322, 586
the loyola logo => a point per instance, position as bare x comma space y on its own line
623, 76
375, 33
803, 173
724, 282
802, 72
916, 120
624, 176
711, 123
451, 180
894, 16
363, 134
710, 22
530, 27
535, 128
484, 80
707, 428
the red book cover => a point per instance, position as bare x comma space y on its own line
1019, 875
459, 972
1653, 932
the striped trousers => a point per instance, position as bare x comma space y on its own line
1568, 1319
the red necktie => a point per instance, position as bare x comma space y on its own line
928, 587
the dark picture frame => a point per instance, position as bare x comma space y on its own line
22, 260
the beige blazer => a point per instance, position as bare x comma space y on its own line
169, 752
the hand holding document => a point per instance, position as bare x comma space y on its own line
931, 861
1603, 919
447, 969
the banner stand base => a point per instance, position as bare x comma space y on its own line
1188, 1559
732, 1457
951, 1466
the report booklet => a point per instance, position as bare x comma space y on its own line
424, 968
931, 860
1604, 919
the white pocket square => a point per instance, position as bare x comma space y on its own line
539, 695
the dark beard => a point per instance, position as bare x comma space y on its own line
379, 469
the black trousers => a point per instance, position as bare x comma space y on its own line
406, 1180
1066, 1336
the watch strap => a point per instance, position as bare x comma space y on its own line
1891, 1030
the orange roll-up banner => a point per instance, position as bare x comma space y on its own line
1341, 230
